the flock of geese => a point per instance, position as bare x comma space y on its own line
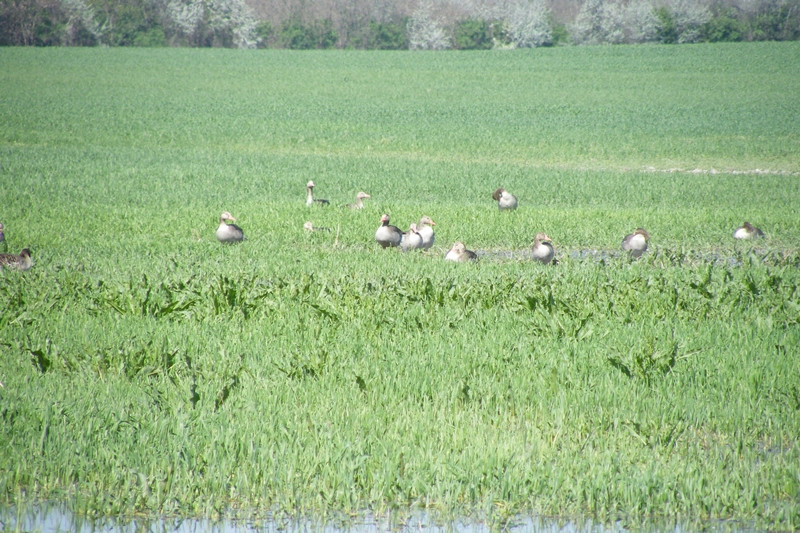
420, 235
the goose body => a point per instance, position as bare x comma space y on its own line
505, 200
425, 229
228, 233
542, 248
387, 235
747, 231
460, 254
22, 261
411, 240
636, 242
360, 197
310, 200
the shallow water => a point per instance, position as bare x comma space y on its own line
56, 517
52, 518
662, 256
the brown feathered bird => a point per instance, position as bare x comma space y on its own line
22, 261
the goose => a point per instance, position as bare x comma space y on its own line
22, 261
460, 254
542, 248
636, 242
308, 226
359, 200
387, 235
411, 239
3, 243
310, 200
228, 233
505, 200
426, 230
746, 231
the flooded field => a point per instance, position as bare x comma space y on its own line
658, 256
148, 370
54, 518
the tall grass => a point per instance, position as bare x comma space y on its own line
148, 369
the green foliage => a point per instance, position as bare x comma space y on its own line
298, 35
780, 24
473, 34
150, 38
558, 32
134, 23
381, 36
265, 33
724, 26
147, 369
34, 24
667, 30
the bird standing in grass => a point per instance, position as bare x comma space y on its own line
22, 261
228, 233
542, 248
387, 235
310, 200
505, 200
747, 231
3, 243
636, 242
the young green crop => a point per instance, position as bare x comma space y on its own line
147, 368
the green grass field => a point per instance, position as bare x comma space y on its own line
147, 369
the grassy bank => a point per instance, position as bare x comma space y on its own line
148, 369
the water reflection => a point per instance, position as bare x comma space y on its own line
53, 518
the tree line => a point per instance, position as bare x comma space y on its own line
392, 24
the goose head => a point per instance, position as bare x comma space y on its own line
426, 221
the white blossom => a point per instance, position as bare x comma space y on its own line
235, 17
425, 32
185, 16
527, 24
80, 15
689, 17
